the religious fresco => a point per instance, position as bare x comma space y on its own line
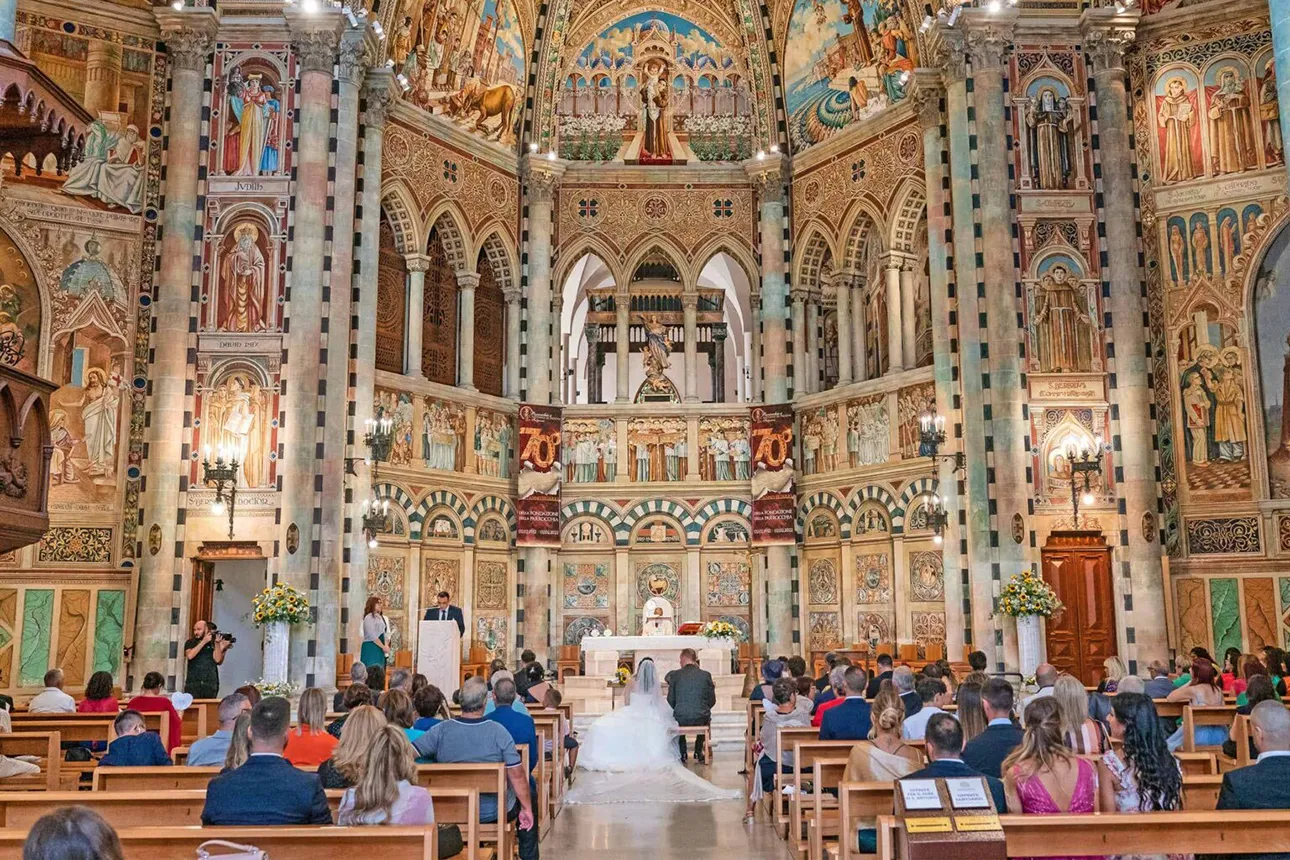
439, 574
590, 450
463, 61
1056, 431
238, 418
824, 631
659, 449
587, 531
868, 431
819, 439
386, 579
443, 435
926, 576
821, 526
1049, 117
1062, 317
1213, 397
20, 321
845, 60
246, 280
1272, 328
586, 585
728, 532
822, 582
728, 583
494, 437
253, 125
724, 451
911, 405
397, 407
873, 577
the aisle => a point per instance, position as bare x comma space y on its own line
662, 831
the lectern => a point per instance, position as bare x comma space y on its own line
439, 655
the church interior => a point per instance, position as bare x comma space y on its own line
820, 318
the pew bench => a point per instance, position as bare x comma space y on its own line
281, 843
47, 747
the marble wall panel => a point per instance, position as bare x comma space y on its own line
1225, 614
1260, 614
109, 629
1193, 615
37, 632
73, 635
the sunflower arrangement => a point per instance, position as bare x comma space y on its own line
1027, 594
722, 630
622, 676
280, 603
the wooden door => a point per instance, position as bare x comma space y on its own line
202, 599
1078, 567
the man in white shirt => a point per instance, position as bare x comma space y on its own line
53, 700
935, 697
1046, 678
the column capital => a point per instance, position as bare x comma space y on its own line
988, 37
189, 35
799, 294
378, 90
417, 262
357, 54
927, 92
767, 173
512, 295
592, 332
720, 331
690, 301
315, 37
542, 175
947, 52
1107, 34
467, 280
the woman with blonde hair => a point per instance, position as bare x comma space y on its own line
971, 712
1042, 776
1114, 669
1082, 735
239, 746
885, 757
308, 744
349, 760
386, 794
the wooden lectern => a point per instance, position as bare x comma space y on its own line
439, 654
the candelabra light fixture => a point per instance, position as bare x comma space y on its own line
1085, 462
378, 436
223, 475
374, 513
931, 437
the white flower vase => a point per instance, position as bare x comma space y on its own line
277, 641
1028, 644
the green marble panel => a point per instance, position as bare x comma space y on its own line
37, 626
5, 636
1225, 610
109, 627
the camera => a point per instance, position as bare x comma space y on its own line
227, 637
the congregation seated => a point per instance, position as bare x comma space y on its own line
1132, 684
987, 750
211, 751
1113, 669
796, 666
1041, 776
401, 679
72, 832
933, 697
822, 683
431, 707
356, 695
153, 699
1202, 690
1159, 686
520, 726
1266, 783
532, 683
357, 675
345, 767
491, 704
266, 789
399, 712
386, 792
419, 682
98, 696
903, 680
784, 709
771, 671
1139, 774
849, 721
1274, 659
528, 659
1081, 734
977, 661
1046, 682
239, 746
470, 737
1259, 690
52, 700
969, 709
943, 746
885, 756
134, 746
376, 682
835, 694
885, 672
308, 744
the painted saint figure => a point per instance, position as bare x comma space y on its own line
1229, 124
1176, 117
251, 145
654, 114
1229, 413
100, 406
1270, 115
1050, 140
1196, 407
244, 296
1063, 323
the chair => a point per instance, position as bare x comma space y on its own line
888, 648
934, 651
344, 662
569, 662
403, 659
477, 663
909, 652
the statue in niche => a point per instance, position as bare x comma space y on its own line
1063, 323
655, 118
655, 357
244, 295
1050, 140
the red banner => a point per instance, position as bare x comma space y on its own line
774, 514
537, 510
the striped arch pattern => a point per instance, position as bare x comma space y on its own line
714, 509
623, 534
882, 496
588, 507
912, 491
482, 506
398, 497
444, 498
828, 500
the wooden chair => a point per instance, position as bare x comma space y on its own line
344, 663
47, 746
1196, 763
1193, 716
909, 652
569, 662
280, 843
934, 651
805, 756
1240, 737
476, 663
551, 783
888, 648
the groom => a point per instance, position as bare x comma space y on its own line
692, 695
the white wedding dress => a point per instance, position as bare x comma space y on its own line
630, 755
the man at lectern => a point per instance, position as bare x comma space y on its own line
445, 611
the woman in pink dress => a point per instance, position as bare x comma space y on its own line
1042, 776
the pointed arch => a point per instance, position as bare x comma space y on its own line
864, 223
449, 223
400, 210
587, 246
908, 494
667, 247
737, 251
607, 514
910, 203
876, 493
499, 249
481, 507
813, 250
719, 508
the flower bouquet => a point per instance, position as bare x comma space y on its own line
621, 677
273, 688
280, 603
722, 630
1026, 594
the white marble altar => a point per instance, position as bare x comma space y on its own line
601, 652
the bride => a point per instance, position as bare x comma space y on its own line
631, 754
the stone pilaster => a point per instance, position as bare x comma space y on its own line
690, 311
414, 319
842, 294
622, 344
895, 338
813, 342
754, 360
512, 297
189, 38
854, 283
908, 316
466, 284
800, 295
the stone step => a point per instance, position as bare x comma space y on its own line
727, 728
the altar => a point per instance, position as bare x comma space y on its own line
601, 653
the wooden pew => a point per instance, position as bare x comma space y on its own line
551, 772
1200, 792
153, 778
484, 778
787, 738
1193, 716
805, 755
281, 843
1166, 708
1197, 763
88, 727
46, 745
200, 719
823, 815
859, 802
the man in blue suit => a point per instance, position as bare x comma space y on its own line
986, 751
267, 789
849, 721
1266, 783
944, 740
134, 745
445, 611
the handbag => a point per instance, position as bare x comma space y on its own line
234, 852
450, 841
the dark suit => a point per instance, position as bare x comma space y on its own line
452, 613
1265, 785
143, 750
266, 790
849, 721
692, 694
954, 769
986, 751
875, 682
913, 703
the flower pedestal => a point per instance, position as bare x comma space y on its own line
277, 640
1028, 643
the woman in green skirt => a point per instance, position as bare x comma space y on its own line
376, 648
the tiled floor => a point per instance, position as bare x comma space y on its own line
661, 831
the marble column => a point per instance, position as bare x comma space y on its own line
378, 98
1280, 19
414, 315
768, 176
800, 296
754, 360
842, 294
102, 77
813, 342
855, 282
1106, 36
719, 335
690, 316
541, 176
908, 316
189, 38
466, 284
315, 39
895, 339
622, 345
512, 296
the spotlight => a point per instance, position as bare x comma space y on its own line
928, 21
938, 540
761, 155
954, 15
994, 6
178, 5
774, 147
904, 78
550, 156
217, 507
310, 6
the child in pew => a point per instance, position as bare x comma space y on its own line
72, 831
134, 746
551, 701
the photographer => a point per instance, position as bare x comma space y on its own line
204, 652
